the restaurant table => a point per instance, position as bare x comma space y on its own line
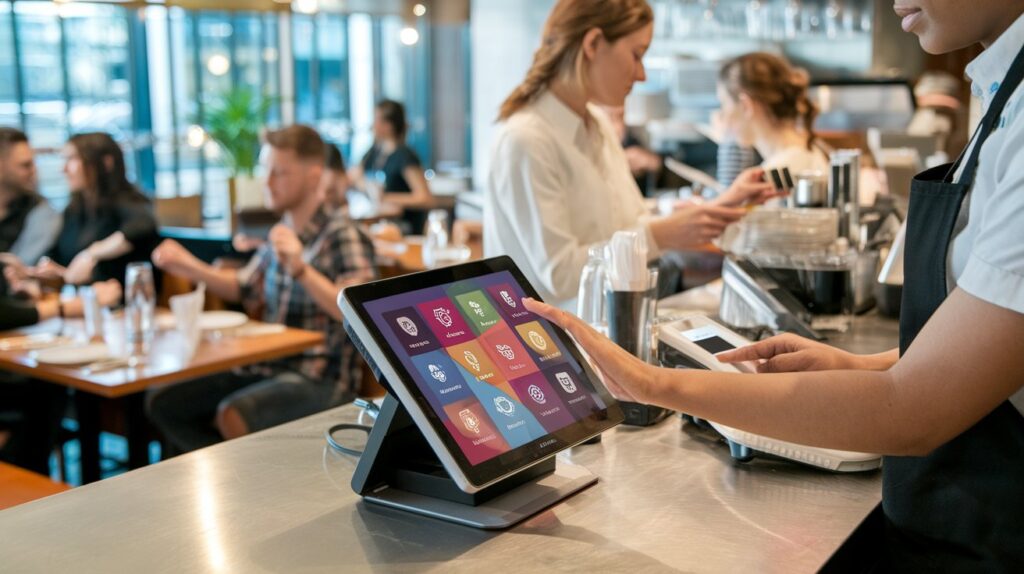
670, 498
18, 486
164, 364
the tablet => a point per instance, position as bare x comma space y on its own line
493, 387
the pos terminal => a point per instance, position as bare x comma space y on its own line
481, 396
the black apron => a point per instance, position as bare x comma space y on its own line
960, 508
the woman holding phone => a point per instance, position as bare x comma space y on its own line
560, 181
945, 408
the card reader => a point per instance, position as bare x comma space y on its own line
691, 342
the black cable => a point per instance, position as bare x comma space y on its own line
345, 426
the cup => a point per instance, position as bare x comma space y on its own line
631, 317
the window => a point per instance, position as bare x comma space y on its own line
146, 74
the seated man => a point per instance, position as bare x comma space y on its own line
28, 225
295, 279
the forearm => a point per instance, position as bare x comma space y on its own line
221, 282
404, 199
111, 247
323, 291
848, 410
880, 361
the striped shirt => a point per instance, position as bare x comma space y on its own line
335, 247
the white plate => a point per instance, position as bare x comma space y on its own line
220, 320
78, 355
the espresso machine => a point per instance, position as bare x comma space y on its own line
806, 267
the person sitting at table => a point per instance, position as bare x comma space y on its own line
765, 105
108, 224
28, 224
334, 183
30, 409
295, 279
333, 186
405, 183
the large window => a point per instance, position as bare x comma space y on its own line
147, 74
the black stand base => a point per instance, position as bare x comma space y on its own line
399, 469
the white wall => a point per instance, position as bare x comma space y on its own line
503, 37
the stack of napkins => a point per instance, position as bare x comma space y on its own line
186, 309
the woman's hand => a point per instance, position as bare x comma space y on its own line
790, 353
80, 269
627, 377
108, 293
749, 188
693, 225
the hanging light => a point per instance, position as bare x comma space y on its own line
419, 10
409, 36
218, 64
306, 6
195, 136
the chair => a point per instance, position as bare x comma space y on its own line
184, 211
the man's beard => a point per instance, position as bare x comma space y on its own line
15, 189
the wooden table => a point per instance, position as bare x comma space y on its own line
164, 364
18, 486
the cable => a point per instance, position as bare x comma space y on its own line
345, 426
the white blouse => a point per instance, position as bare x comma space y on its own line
555, 188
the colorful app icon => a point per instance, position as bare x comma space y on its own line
476, 362
478, 309
507, 352
509, 303
412, 333
516, 422
577, 396
474, 431
446, 322
536, 394
540, 341
440, 377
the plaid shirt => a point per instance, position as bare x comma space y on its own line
336, 248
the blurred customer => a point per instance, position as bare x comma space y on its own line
28, 225
403, 178
108, 224
333, 187
765, 104
334, 183
939, 111
559, 180
295, 279
33, 409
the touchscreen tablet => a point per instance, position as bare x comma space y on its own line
500, 387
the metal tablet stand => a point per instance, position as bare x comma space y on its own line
399, 469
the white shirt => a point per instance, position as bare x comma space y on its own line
555, 188
986, 258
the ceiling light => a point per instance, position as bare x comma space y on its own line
409, 36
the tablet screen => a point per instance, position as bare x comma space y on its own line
495, 374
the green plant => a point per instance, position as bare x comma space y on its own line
234, 121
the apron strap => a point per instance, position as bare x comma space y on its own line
990, 122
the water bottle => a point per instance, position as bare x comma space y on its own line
590, 300
435, 240
140, 307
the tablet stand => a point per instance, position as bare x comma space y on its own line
399, 469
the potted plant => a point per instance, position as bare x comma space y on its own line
234, 121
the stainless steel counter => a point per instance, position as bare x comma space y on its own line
669, 499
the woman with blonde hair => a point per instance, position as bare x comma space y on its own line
765, 105
559, 180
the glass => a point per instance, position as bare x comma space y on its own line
140, 307
590, 299
435, 237
91, 312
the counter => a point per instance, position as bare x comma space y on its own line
669, 499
